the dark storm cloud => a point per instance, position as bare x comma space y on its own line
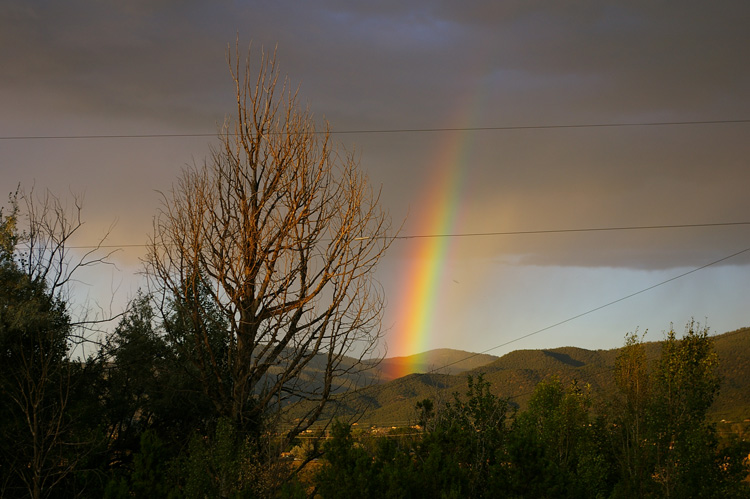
158, 66
630, 58
117, 59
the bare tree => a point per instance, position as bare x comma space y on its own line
278, 234
37, 338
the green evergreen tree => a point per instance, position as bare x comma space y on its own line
349, 468
151, 470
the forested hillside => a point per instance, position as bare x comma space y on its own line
645, 433
441, 360
516, 374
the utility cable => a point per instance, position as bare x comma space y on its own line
547, 328
600, 307
488, 234
387, 130
596, 371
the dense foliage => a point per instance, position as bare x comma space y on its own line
649, 439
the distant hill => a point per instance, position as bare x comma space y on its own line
516, 374
733, 402
354, 374
442, 360
397, 399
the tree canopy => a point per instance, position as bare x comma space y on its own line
266, 253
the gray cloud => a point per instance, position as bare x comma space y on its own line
139, 67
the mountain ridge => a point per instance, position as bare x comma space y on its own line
516, 374
443, 360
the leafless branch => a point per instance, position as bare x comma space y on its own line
279, 230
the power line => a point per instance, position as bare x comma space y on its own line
495, 233
610, 369
388, 130
543, 127
563, 231
108, 136
552, 231
594, 373
559, 323
600, 307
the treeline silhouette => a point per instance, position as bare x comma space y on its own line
650, 437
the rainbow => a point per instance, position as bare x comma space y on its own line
441, 209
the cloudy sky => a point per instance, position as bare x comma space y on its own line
466, 115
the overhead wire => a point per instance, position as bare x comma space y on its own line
487, 234
464, 235
610, 369
554, 231
595, 309
391, 130
437, 370
594, 373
